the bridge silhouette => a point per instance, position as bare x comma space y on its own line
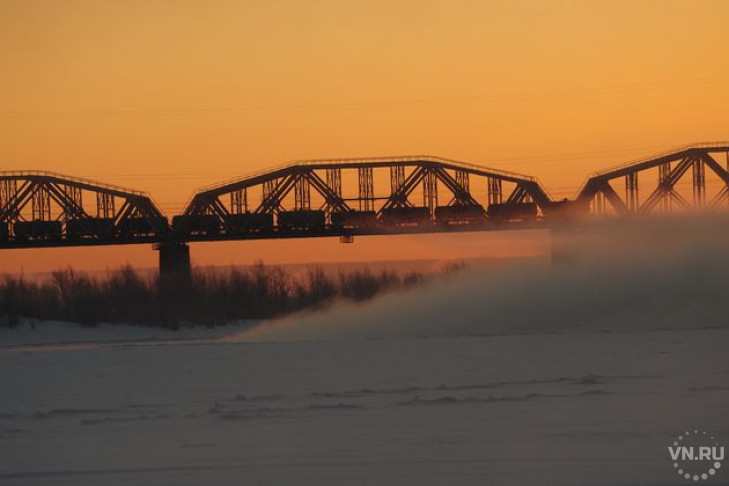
338, 198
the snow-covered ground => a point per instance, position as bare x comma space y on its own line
568, 408
577, 375
67, 334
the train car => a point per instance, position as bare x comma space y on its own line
512, 212
301, 219
405, 216
566, 211
199, 224
37, 230
354, 219
240, 223
141, 226
460, 214
89, 227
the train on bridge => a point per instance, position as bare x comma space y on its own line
348, 197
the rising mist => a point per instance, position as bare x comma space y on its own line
644, 274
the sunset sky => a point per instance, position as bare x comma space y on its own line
168, 96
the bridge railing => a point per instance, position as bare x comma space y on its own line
8, 174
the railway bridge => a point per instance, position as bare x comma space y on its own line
349, 197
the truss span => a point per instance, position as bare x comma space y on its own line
690, 178
362, 194
48, 209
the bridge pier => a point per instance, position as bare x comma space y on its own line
175, 270
565, 245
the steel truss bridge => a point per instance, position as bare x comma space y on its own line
349, 197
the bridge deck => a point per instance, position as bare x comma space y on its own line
326, 232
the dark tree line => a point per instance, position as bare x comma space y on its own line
212, 297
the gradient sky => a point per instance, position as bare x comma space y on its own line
168, 96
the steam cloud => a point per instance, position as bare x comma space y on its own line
670, 273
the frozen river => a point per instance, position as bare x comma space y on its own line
588, 374
566, 408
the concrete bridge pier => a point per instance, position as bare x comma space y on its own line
175, 270
565, 245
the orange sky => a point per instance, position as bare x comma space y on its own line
168, 96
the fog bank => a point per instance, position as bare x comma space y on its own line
670, 273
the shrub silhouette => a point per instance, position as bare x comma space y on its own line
213, 297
